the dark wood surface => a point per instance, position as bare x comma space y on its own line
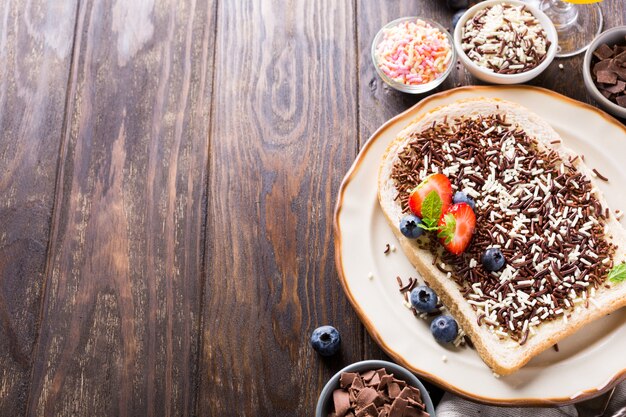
170, 170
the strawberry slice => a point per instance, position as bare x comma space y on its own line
456, 227
434, 182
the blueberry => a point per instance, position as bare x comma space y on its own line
409, 226
457, 4
424, 299
461, 197
456, 17
326, 340
444, 329
492, 259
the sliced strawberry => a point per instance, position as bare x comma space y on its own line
434, 182
456, 227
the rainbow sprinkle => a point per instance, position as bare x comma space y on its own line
413, 52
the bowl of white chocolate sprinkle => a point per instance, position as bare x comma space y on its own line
505, 41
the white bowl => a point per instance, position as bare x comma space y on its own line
490, 76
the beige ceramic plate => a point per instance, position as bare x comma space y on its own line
588, 363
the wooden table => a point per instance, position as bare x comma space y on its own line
169, 174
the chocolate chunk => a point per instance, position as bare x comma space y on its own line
346, 379
617, 69
398, 407
341, 399
369, 411
400, 382
418, 405
604, 51
408, 393
354, 392
621, 101
393, 389
368, 375
617, 88
607, 77
384, 381
367, 396
374, 381
621, 58
601, 66
358, 383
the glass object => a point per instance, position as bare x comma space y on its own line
577, 23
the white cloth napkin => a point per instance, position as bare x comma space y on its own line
453, 406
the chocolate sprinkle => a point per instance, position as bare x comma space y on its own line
536, 207
602, 177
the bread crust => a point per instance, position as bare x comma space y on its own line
502, 356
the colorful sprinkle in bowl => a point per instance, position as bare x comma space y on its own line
434, 72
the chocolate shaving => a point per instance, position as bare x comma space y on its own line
383, 395
608, 70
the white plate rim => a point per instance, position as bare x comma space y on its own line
404, 118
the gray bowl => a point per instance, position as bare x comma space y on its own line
324, 403
610, 36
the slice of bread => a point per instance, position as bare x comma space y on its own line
503, 354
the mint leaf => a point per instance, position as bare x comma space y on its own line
448, 228
618, 273
431, 209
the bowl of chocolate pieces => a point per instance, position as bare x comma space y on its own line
374, 388
505, 41
604, 70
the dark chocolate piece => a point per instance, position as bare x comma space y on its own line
601, 66
341, 399
617, 69
604, 51
617, 88
369, 411
621, 58
367, 396
398, 407
393, 389
346, 379
607, 77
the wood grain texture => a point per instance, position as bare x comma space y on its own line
283, 135
170, 170
119, 331
35, 53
